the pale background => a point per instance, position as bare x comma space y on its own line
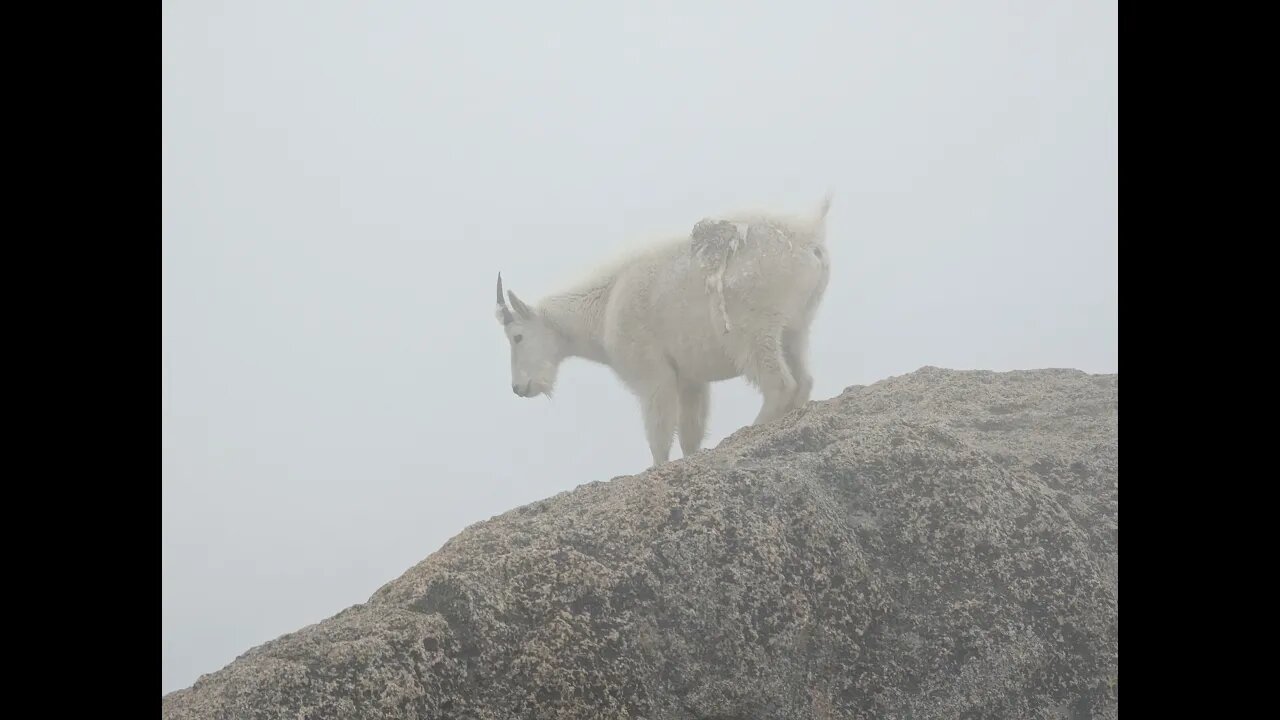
343, 181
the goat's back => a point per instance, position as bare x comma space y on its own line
703, 300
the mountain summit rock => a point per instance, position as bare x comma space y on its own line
942, 544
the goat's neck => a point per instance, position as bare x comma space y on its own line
579, 318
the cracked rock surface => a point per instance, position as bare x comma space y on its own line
942, 544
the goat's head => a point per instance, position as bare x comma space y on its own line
535, 346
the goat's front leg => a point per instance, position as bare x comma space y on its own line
652, 378
695, 401
661, 410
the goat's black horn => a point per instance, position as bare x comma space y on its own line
507, 317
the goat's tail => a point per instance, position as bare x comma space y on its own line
793, 221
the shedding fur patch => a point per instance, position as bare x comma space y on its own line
713, 243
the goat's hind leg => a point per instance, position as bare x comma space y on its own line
795, 348
767, 369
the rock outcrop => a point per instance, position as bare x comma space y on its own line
937, 545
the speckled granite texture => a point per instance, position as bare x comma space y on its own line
937, 545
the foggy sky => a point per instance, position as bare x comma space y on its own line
343, 181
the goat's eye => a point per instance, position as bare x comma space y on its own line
518, 338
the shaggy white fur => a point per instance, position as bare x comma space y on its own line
734, 298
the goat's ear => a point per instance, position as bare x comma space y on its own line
523, 310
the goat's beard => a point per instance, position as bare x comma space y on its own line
543, 388
547, 384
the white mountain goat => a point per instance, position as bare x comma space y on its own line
734, 298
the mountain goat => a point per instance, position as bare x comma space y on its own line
734, 298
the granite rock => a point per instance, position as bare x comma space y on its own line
942, 544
